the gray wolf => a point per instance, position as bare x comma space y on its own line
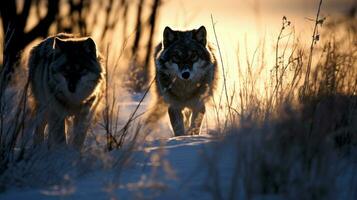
185, 78
65, 75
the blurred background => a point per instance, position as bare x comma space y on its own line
139, 23
126, 32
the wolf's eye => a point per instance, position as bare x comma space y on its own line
194, 56
175, 58
83, 72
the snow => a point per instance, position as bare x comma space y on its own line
245, 163
157, 170
187, 167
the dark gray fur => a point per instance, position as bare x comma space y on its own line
65, 76
182, 52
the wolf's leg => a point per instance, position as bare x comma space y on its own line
39, 133
176, 119
56, 129
196, 120
40, 124
187, 118
80, 127
82, 122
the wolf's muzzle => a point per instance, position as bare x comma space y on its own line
185, 75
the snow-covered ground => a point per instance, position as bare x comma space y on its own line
192, 167
250, 162
167, 169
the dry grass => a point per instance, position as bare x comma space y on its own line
296, 141
299, 139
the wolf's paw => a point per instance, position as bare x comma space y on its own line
193, 131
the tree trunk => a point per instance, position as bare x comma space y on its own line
16, 39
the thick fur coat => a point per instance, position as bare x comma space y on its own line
66, 76
185, 76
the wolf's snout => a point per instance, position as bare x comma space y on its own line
185, 75
72, 87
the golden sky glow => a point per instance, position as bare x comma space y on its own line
244, 25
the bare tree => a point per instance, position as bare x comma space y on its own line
14, 23
152, 22
140, 57
76, 16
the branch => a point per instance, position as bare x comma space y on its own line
22, 18
8, 13
42, 27
152, 22
313, 42
138, 29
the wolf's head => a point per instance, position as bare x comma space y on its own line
185, 54
75, 67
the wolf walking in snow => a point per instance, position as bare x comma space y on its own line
65, 75
186, 75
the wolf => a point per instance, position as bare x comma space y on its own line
66, 79
185, 79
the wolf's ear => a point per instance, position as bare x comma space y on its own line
89, 46
58, 43
169, 36
200, 35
